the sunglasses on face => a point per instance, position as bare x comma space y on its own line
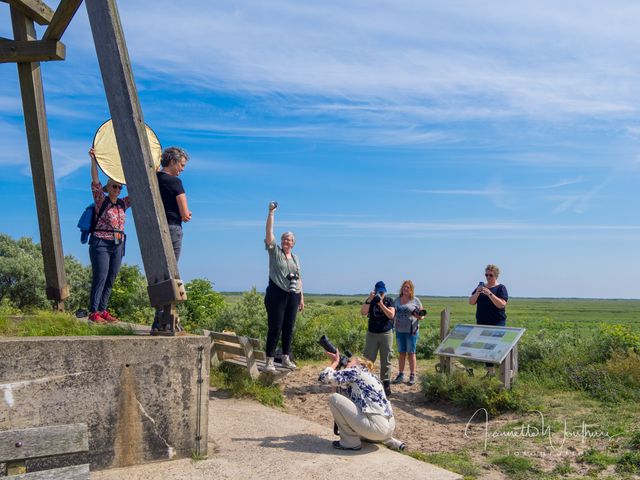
488, 275
116, 187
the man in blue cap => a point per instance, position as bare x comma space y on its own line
380, 310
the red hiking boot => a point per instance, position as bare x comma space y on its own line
108, 317
95, 317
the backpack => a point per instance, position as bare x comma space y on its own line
89, 219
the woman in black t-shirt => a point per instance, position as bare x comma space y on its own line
490, 299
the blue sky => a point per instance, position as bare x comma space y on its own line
416, 140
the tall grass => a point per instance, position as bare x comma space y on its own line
48, 324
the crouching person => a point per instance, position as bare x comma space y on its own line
365, 412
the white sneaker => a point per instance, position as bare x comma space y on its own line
270, 367
287, 363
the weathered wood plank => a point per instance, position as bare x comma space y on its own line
31, 51
76, 472
251, 359
61, 19
228, 348
233, 338
35, 120
43, 441
128, 122
35, 10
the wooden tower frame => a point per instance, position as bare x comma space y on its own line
164, 285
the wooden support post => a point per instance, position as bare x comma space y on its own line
252, 368
505, 371
35, 119
445, 361
514, 362
149, 216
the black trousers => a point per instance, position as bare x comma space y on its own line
282, 308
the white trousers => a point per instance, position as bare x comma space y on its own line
354, 424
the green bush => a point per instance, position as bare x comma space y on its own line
129, 298
49, 323
22, 273
428, 341
473, 392
202, 307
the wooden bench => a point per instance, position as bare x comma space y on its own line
244, 351
17, 446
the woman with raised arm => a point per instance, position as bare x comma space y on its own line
284, 297
106, 245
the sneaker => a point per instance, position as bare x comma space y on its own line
95, 317
108, 317
338, 446
287, 363
412, 379
269, 366
399, 378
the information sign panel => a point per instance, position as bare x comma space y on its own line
483, 343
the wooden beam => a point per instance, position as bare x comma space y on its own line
35, 119
33, 51
35, 10
43, 441
61, 19
128, 123
76, 472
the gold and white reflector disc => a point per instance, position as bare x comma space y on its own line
105, 148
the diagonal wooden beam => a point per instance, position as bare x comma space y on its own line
61, 19
31, 51
35, 10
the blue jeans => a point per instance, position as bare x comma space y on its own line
106, 258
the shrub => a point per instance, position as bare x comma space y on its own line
22, 273
202, 307
129, 298
473, 392
428, 341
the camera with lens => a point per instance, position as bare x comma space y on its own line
329, 347
293, 282
419, 312
376, 298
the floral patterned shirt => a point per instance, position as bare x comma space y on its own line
364, 389
113, 217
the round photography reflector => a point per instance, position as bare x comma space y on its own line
108, 156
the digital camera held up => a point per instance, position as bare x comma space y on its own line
293, 282
376, 298
329, 347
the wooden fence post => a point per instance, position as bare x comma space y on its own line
445, 361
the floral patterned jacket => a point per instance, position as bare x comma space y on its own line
364, 389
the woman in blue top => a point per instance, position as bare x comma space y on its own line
490, 299
364, 412
407, 324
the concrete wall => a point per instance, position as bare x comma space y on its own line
139, 396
